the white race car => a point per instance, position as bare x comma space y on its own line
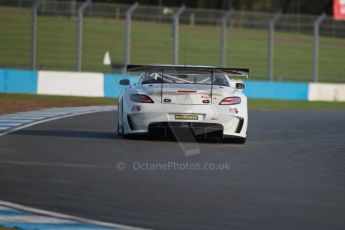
206, 101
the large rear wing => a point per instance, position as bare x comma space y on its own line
180, 69
231, 72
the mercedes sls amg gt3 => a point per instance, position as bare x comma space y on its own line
207, 101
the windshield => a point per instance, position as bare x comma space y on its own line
185, 78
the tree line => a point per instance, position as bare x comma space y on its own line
315, 7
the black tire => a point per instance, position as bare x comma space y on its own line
235, 140
128, 136
118, 122
118, 129
240, 140
125, 136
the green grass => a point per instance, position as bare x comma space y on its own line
66, 100
7, 228
22, 102
11, 103
152, 44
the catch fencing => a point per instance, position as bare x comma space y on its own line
71, 35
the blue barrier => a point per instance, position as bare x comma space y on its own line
18, 81
277, 90
254, 89
24, 81
112, 88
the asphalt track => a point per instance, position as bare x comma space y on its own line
289, 175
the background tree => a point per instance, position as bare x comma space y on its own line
286, 6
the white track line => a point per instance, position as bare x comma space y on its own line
34, 219
53, 119
10, 124
7, 204
66, 217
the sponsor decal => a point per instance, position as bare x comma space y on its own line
186, 117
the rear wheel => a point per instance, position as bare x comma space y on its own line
235, 140
240, 140
118, 130
119, 127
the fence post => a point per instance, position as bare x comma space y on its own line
317, 23
223, 37
34, 33
272, 22
192, 19
80, 33
128, 32
175, 31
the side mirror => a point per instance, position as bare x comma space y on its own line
124, 82
240, 86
